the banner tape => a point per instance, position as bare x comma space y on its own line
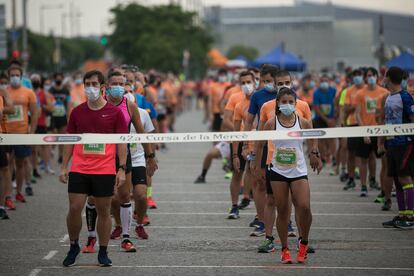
191, 137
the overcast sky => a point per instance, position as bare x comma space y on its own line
94, 16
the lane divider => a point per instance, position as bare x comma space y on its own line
339, 132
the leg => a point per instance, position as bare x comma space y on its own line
74, 217
20, 174
140, 198
103, 206
301, 201
280, 194
124, 197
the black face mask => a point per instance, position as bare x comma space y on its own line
58, 82
35, 84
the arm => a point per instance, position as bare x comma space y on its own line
34, 117
8, 102
249, 121
66, 156
227, 122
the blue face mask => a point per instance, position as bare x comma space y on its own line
324, 85
372, 81
116, 91
287, 109
358, 80
312, 84
404, 84
78, 81
133, 87
269, 86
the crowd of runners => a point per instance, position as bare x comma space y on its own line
113, 183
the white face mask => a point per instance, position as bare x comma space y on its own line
287, 109
222, 79
129, 97
3, 86
15, 81
92, 93
247, 89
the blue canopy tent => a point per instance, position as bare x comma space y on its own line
405, 61
285, 60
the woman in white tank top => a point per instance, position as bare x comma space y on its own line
288, 173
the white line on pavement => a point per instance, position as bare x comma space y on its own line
34, 272
252, 214
50, 255
227, 202
244, 227
226, 193
109, 245
299, 267
65, 238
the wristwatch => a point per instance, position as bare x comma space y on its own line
123, 167
151, 155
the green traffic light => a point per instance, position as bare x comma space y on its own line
104, 41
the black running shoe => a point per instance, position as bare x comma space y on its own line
245, 202
387, 205
103, 259
199, 180
29, 191
255, 222
349, 185
3, 214
343, 177
70, 259
36, 174
373, 184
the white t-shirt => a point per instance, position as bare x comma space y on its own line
137, 150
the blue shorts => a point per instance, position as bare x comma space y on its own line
22, 151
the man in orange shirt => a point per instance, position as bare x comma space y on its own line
305, 93
216, 94
366, 104
18, 123
349, 109
77, 93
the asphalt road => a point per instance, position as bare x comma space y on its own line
189, 232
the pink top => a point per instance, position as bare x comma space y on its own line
124, 108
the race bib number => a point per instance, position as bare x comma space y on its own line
326, 108
16, 116
133, 148
286, 157
94, 149
370, 105
59, 111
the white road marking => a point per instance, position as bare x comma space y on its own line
50, 255
245, 227
227, 202
34, 272
252, 214
226, 193
65, 238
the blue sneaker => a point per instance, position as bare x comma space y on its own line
291, 230
254, 223
70, 259
259, 231
103, 259
29, 191
234, 213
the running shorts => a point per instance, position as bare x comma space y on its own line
353, 143
22, 151
224, 149
98, 185
319, 123
41, 130
364, 150
139, 176
274, 176
216, 122
59, 122
400, 160
4, 161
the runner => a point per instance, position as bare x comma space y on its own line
216, 93
77, 92
24, 101
288, 173
305, 93
366, 104
93, 171
399, 109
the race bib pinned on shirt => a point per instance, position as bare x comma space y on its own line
94, 149
326, 108
59, 111
370, 105
16, 116
286, 157
133, 148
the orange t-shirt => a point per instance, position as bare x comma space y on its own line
77, 95
369, 101
1, 109
351, 93
154, 94
19, 121
240, 114
216, 94
234, 90
307, 97
234, 100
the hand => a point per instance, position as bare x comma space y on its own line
236, 164
367, 140
152, 166
64, 176
245, 152
315, 163
381, 150
120, 178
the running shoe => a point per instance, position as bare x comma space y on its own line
33, 180
103, 259
146, 220
302, 253
9, 204
373, 184
310, 250
151, 203
70, 259
380, 198
255, 222
141, 232
234, 213
267, 246
364, 191
29, 191
228, 175
343, 177
393, 193
41, 165
36, 174
89, 247
285, 256
127, 246
387, 205
404, 224
200, 180
333, 172
291, 230
20, 198
245, 202
391, 223
349, 185
49, 170
116, 233
3, 214
259, 231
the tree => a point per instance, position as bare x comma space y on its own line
156, 37
249, 52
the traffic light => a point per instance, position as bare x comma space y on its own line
104, 40
15, 54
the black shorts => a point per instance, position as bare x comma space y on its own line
353, 142
139, 176
274, 176
4, 160
269, 189
59, 122
364, 150
161, 117
128, 163
98, 185
319, 123
241, 158
400, 160
216, 122
263, 162
170, 110
21, 151
41, 130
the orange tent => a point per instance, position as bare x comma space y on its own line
216, 58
